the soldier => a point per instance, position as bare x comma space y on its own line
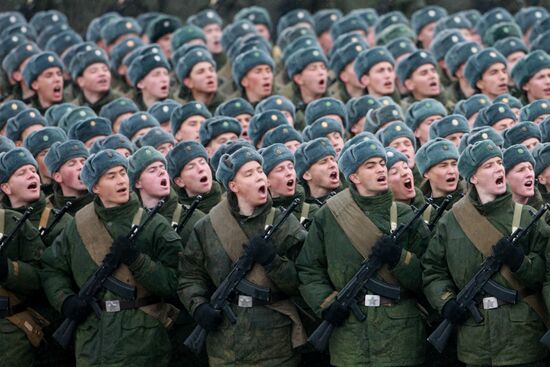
162, 111
520, 175
19, 280
253, 74
440, 46
471, 106
326, 107
401, 180
357, 109
160, 31
541, 154
347, 84
118, 29
525, 133
137, 125
285, 135
281, 103
44, 74
437, 163
117, 142
215, 131
118, 110
350, 227
455, 60
149, 263
329, 128
186, 121
423, 22
91, 74
478, 226
149, 75
262, 122
189, 171
266, 333
9, 109
196, 71
159, 139
259, 17
38, 143
211, 24
323, 20
65, 161
499, 116
535, 111
90, 129
486, 72
531, 75
307, 68
281, 178
120, 81
316, 167
23, 124
420, 116
13, 64
240, 109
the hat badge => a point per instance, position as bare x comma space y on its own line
492, 54
274, 117
520, 151
423, 55
252, 16
505, 100
22, 154
166, 24
148, 151
398, 128
498, 16
431, 13
490, 147
524, 128
246, 26
210, 14
198, 106
482, 101
454, 39
328, 103
445, 147
474, 50
285, 130
14, 106
538, 14
390, 154
395, 113
110, 154
427, 105
29, 47
278, 151
45, 138
485, 136
354, 40
82, 113
75, 147
97, 52
315, 53
15, 39
544, 105
358, 48
394, 18
370, 101
55, 18
165, 109
225, 124
143, 117
13, 19
129, 25
333, 17
300, 15
24, 29
238, 104
32, 114
457, 19
373, 147
385, 102
324, 124
506, 30
93, 123
501, 109
130, 43
157, 58
454, 122
256, 54
50, 59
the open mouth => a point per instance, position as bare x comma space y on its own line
262, 189
32, 186
122, 190
408, 184
334, 176
322, 82
499, 180
164, 182
388, 84
164, 88
503, 86
381, 179
203, 179
529, 184
290, 184
451, 180
433, 84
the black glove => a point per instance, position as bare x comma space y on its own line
509, 254
125, 250
208, 317
260, 250
453, 312
76, 308
4, 269
336, 314
387, 250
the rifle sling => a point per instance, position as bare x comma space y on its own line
232, 238
25, 318
481, 232
359, 229
98, 241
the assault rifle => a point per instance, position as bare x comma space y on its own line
481, 281
5, 240
103, 275
44, 231
363, 279
235, 280
188, 213
440, 210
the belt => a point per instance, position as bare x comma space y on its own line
6, 310
243, 300
120, 305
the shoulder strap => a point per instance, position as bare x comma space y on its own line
427, 214
177, 215
484, 236
358, 228
232, 237
2, 222
305, 212
44, 217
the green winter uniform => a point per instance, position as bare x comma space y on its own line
42, 216
58, 201
130, 336
303, 211
391, 335
209, 200
338, 90
261, 336
184, 96
23, 281
509, 334
108, 97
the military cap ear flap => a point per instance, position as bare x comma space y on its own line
226, 158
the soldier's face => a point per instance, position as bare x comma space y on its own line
313, 78
443, 177
189, 129
405, 146
23, 187
203, 78
195, 177
49, 86
244, 120
371, 178
494, 81
422, 132
521, 179
513, 58
154, 181
380, 81
165, 148
96, 78
544, 178
503, 124
530, 143
336, 141
401, 181
213, 34
42, 169
68, 177
263, 31
424, 82
118, 121
250, 185
282, 180
489, 179
156, 84
113, 187
425, 35
165, 45
219, 141
289, 117
258, 82
323, 175
538, 87
125, 152
292, 145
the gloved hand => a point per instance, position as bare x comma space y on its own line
336, 314
387, 250
260, 250
454, 312
125, 250
4, 269
76, 308
509, 254
208, 317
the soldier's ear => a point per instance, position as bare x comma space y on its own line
95, 189
354, 179
232, 186
5, 187
57, 177
188, 83
80, 81
138, 184
365, 80
307, 176
139, 85
179, 182
34, 85
409, 85
473, 180
297, 79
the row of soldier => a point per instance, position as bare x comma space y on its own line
227, 154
